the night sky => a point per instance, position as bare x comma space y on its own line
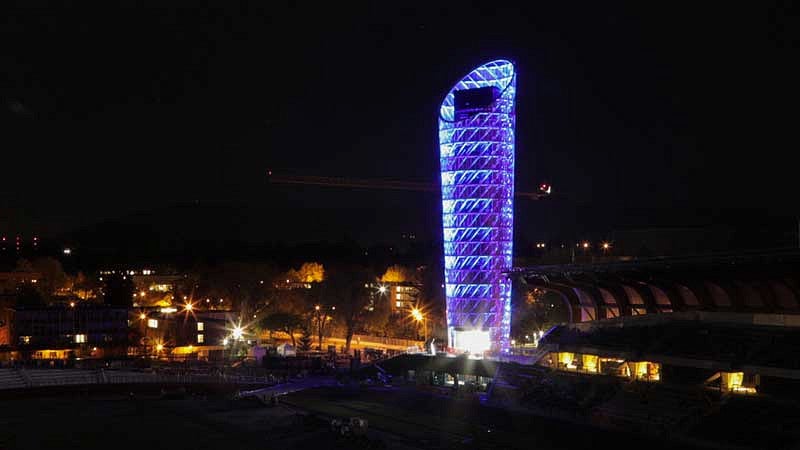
170, 117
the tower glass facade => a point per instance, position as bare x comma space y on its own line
476, 144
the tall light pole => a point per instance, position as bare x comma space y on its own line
143, 340
419, 317
322, 315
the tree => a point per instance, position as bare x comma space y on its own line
286, 322
29, 296
398, 274
377, 318
320, 319
295, 301
118, 291
85, 288
312, 272
23, 265
52, 272
241, 285
535, 309
432, 295
305, 340
349, 290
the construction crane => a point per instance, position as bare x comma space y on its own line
544, 190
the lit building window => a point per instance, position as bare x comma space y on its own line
735, 382
566, 360
152, 323
398, 304
590, 363
80, 338
398, 296
644, 370
199, 326
200, 338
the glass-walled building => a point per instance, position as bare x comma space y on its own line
476, 143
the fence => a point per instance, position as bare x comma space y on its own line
397, 342
22, 378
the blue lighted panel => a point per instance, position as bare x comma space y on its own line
477, 165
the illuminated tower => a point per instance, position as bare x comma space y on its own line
476, 145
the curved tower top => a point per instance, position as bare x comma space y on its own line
499, 73
476, 145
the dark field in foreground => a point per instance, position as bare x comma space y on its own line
398, 419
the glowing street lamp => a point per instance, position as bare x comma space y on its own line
419, 317
188, 307
159, 347
382, 289
142, 316
238, 332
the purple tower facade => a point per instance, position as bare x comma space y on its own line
476, 144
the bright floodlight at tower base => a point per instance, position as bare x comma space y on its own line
476, 149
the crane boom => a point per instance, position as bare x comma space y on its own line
366, 183
353, 182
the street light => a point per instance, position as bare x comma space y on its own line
419, 317
238, 332
188, 307
142, 316
382, 289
